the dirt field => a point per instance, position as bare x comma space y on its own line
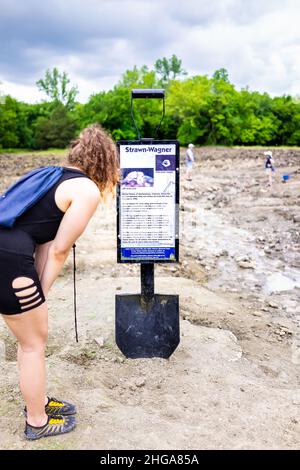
233, 382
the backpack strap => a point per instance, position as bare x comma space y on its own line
74, 292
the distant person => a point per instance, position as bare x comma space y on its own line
190, 158
269, 166
32, 255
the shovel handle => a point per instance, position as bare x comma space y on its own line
147, 281
148, 93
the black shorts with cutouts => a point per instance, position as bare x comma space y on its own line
17, 260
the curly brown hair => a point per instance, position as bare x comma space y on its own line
95, 153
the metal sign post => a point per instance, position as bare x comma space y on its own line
147, 324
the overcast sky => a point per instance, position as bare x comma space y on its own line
95, 41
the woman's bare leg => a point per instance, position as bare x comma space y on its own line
270, 179
31, 330
189, 173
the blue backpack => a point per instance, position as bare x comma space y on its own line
26, 192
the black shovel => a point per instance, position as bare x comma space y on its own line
147, 325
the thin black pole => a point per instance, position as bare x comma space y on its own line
74, 293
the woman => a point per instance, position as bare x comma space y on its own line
269, 166
32, 255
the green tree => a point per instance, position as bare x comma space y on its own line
222, 109
56, 131
201, 109
169, 69
56, 86
221, 74
2, 96
112, 109
9, 123
187, 105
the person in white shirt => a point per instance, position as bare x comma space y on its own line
190, 158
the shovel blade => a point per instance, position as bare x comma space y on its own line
147, 330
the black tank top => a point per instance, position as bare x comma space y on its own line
42, 220
268, 163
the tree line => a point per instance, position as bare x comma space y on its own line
199, 109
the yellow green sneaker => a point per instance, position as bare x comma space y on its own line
56, 407
53, 427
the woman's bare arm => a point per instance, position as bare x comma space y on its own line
71, 227
41, 254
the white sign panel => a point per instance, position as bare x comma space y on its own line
147, 204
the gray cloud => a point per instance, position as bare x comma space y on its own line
95, 41
32, 37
